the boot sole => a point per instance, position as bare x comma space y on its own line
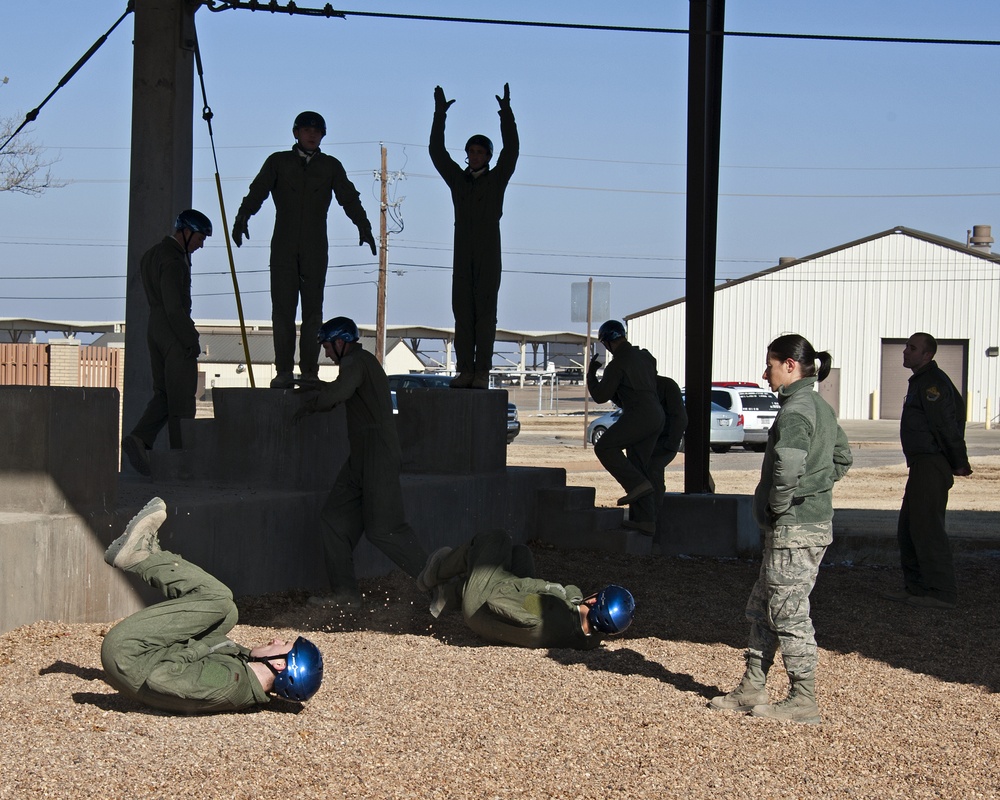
136, 528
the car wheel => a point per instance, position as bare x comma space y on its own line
721, 448
756, 448
597, 434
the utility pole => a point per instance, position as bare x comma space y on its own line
383, 261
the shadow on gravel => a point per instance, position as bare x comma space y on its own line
702, 600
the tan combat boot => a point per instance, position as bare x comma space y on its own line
799, 706
751, 691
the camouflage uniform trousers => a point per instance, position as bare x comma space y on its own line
778, 608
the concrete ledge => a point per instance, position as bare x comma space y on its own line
452, 431
717, 525
58, 448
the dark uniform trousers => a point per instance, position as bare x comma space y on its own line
925, 553
175, 381
366, 499
302, 275
625, 450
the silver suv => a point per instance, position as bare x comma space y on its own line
756, 406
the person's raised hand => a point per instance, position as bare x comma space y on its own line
505, 100
441, 105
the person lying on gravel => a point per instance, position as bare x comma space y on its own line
494, 583
175, 655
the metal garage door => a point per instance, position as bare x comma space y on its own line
952, 356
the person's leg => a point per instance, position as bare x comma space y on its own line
912, 580
385, 522
639, 454
927, 488
198, 605
284, 300
463, 307
155, 416
522, 561
791, 576
486, 291
489, 562
181, 376
312, 288
342, 525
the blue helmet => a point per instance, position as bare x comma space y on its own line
610, 330
482, 141
613, 611
303, 673
338, 328
193, 221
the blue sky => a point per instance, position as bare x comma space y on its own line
822, 143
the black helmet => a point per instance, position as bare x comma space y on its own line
482, 141
193, 221
610, 330
342, 328
614, 610
310, 119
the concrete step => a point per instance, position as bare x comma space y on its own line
568, 498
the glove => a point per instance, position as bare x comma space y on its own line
441, 105
240, 230
505, 100
367, 238
595, 364
303, 411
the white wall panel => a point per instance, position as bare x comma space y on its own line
846, 301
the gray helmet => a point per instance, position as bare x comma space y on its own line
482, 141
610, 330
193, 221
342, 328
310, 119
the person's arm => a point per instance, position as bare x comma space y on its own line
842, 457
511, 147
175, 294
607, 387
443, 162
349, 199
260, 188
332, 394
794, 436
942, 416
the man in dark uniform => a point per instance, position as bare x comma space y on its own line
301, 181
366, 497
675, 420
176, 655
630, 382
932, 432
477, 193
171, 337
503, 602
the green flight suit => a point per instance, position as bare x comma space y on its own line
366, 497
175, 655
476, 265
504, 603
807, 452
172, 340
302, 188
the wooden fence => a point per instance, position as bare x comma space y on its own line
100, 366
24, 364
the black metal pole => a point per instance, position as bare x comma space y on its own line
704, 114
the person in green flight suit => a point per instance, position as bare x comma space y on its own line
176, 655
366, 498
171, 336
477, 193
302, 182
494, 583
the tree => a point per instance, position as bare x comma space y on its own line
22, 165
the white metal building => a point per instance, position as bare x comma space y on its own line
860, 301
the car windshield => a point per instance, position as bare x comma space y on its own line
759, 401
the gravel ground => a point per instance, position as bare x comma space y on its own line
417, 708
